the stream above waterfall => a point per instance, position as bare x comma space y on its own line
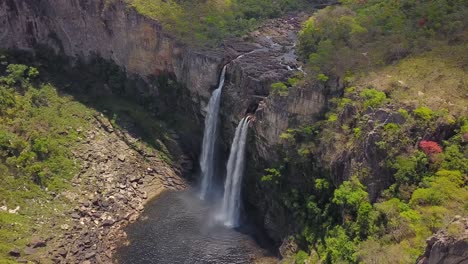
177, 227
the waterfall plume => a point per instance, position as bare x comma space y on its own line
207, 158
230, 208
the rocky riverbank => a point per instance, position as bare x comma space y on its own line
119, 175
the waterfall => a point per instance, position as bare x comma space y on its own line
209, 138
230, 210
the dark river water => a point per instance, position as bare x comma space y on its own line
179, 228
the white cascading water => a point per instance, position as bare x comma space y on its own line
230, 210
209, 138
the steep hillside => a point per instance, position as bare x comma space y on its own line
71, 177
386, 166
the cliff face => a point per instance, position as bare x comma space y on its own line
82, 28
112, 30
118, 33
271, 58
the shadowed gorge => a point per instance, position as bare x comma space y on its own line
240, 131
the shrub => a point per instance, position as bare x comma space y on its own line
391, 127
430, 147
7, 99
424, 113
271, 175
288, 135
332, 118
373, 98
293, 81
357, 132
454, 159
321, 184
279, 88
351, 194
301, 257
403, 112
15, 74
322, 77
410, 169
340, 248
426, 197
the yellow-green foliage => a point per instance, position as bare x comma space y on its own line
280, 89
424, 113
428, 190
363, 35
207, 22
434, 79
373, 98
38, 130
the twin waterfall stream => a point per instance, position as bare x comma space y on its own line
207, 157
230, 208
198, 226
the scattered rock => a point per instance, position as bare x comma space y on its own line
108, 222
37, 242
14, 211
62, 252
135, 178
15, 252
64, 227
29, 251
90, 255
121, 157
75, 216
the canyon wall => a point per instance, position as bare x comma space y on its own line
84, 28
113, 31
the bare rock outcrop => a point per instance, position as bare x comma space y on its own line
447, 247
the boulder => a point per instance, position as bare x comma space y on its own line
15, 252
447, 247
37, 242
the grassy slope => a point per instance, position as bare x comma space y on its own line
437, 79
60, 122
40, 127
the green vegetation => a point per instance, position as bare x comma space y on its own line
41, 127
403, 63
280, 88
208, 22
427, 192
365, 35
424, 113
38, 129
373, 98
